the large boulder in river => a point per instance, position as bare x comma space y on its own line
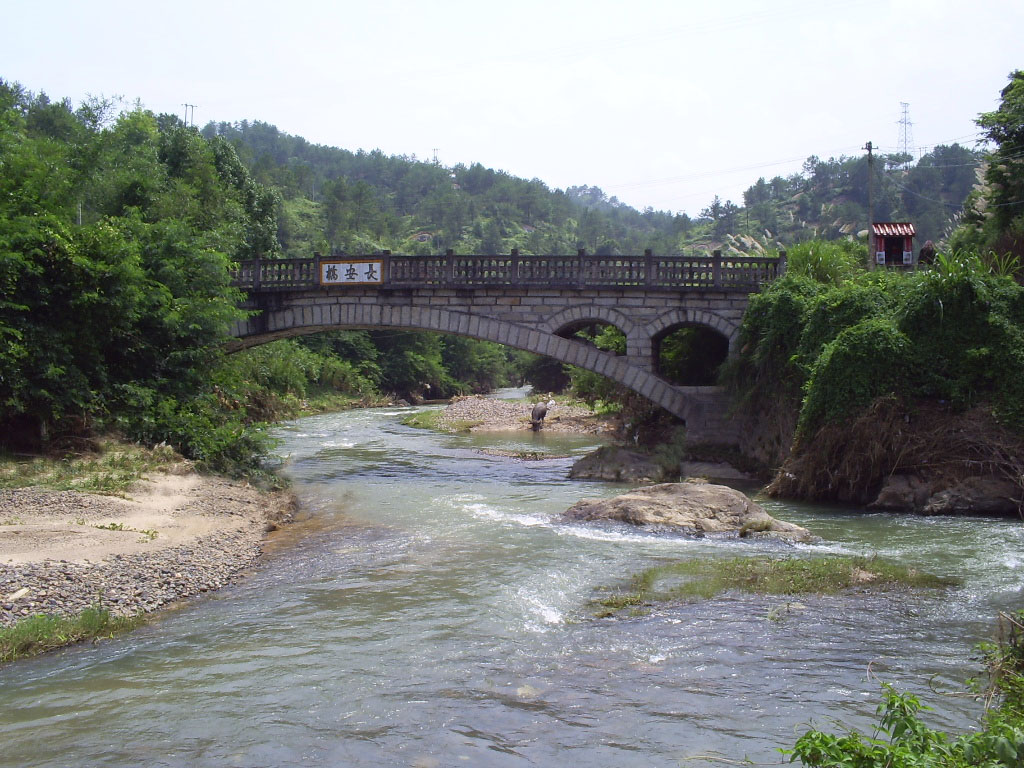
688, 507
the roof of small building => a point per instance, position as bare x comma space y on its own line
893, 229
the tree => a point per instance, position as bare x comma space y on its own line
713, 211
115, 240
994, 215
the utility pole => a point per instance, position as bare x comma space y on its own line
192, 108
871, 206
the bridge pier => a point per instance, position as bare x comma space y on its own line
644, 362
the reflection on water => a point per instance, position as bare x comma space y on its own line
429, 608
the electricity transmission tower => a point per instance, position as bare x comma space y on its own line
906, 141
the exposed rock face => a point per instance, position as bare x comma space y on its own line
972, 496
715, 470
616, 465
688, 507
903, 493
976, 496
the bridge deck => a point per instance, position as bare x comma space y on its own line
648, 272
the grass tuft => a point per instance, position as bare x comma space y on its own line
110, 470
703, 579
435, 420
45, 632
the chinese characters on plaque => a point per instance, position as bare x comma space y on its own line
350, 272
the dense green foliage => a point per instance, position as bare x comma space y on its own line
116, 235
994, 214
117, 232
829, 199
357, 202
953, 333
860, 355
901, 738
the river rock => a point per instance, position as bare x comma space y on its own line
976, 496
713, 470
616, 465
902, 493
941, 496
688, 507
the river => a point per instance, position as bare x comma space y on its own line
429, 609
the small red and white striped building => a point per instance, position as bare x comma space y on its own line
892, 242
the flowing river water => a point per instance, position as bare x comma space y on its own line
429, 608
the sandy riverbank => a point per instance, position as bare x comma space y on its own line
174, 536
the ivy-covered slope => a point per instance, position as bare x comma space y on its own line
876, 369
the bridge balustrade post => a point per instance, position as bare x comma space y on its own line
716, 269
385, 266
514, 274
449, 266
648, 267
581, 258
780, 268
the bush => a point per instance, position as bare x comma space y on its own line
967, 327
862, 363
901, 738
835, 310
827, 262
954, 333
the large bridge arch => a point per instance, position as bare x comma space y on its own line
273, 324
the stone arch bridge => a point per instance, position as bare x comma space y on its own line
534, 303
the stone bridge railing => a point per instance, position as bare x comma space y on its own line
647, 272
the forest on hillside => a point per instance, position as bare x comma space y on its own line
334, 199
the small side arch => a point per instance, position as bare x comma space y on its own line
677, 317
579, 315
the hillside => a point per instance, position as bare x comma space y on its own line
333, 199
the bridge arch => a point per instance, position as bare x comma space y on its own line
638, 345
274, 324
581, 314
681, 317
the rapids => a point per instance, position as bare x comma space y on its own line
429, 608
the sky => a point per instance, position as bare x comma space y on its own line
660, 103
